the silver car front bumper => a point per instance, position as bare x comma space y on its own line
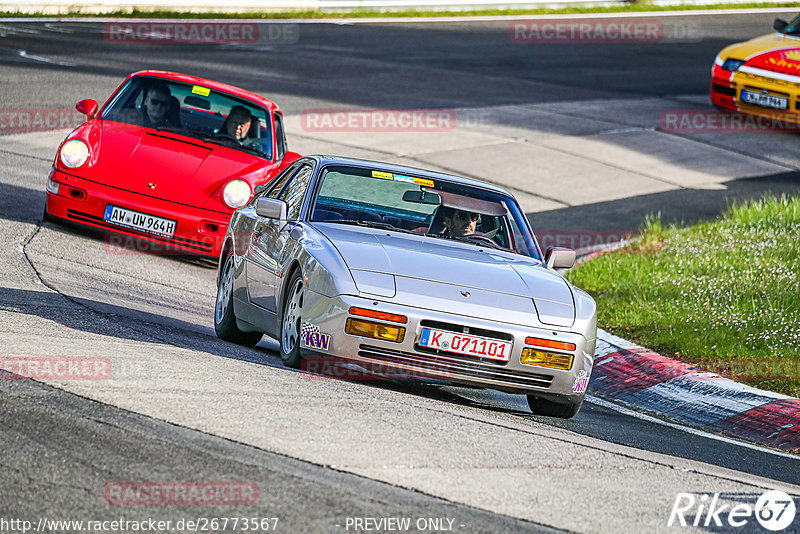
327, 316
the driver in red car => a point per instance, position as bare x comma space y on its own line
156, 110
237, 125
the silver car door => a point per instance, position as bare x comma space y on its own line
270, 241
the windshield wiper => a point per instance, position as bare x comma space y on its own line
171, 129
256, 151
217, 140
231, 143
479, 240
373, 224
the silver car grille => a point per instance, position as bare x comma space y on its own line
456, 367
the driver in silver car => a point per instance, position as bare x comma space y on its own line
459, 223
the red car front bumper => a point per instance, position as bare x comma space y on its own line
197, 231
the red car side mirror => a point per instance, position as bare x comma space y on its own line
88, 107
289, 158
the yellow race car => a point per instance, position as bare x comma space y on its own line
761, 76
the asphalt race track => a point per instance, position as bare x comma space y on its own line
574, 129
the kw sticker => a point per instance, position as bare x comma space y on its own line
580, 382
313, 338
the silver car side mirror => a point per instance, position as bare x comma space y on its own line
271, 209
559, 258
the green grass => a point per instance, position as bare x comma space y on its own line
633, 7
723, 294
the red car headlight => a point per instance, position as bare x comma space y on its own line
236, 193
74, 153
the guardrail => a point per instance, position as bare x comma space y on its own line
243, 6
55, 7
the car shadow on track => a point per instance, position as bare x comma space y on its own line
105, 319
20, 204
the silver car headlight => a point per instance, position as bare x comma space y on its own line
236, 193
74, 153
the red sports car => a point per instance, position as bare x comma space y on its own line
167, 159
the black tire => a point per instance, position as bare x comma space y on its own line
548, 408
224, 317
46, 216
291, 317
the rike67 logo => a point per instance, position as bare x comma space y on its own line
774, 511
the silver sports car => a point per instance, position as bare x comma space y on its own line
419, 272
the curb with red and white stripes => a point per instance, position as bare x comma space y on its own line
630, 374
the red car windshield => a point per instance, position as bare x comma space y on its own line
195, 111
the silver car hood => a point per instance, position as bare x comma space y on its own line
414, 260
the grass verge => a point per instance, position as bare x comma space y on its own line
724, 295
634, 7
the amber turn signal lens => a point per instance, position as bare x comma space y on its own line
383, 316
546, 359
385, 332
549, 343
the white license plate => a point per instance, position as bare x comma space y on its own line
482, 347
768, 101
139, 221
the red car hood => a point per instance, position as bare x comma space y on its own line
170, 166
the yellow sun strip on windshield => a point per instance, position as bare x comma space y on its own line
402, 178
203, 91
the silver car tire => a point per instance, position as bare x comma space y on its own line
224, 318
291, 319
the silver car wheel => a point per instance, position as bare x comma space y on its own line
290, 331
224, 290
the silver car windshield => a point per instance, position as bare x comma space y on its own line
438, 209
